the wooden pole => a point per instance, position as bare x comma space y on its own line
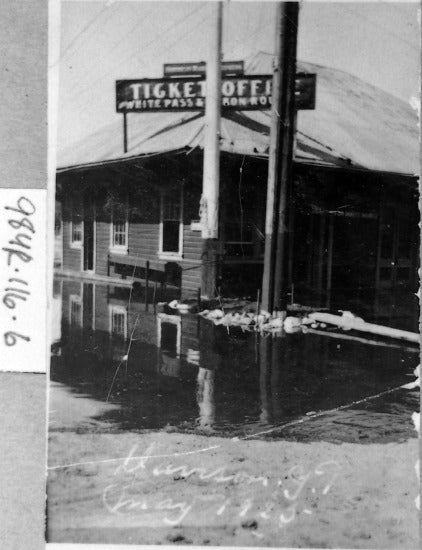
287, 120
146, 285
321, 254
291, 244
155, 293
211, 173
274, 293
330, 259
124, 131
273, 160
310, 254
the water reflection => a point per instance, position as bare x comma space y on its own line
184, 373
205, 397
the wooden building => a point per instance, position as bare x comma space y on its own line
353, 234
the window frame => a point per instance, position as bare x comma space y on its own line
76, 243
120, 248
164, 254
171, 320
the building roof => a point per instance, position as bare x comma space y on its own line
354, 124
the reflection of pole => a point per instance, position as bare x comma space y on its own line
211, 173
205, 397
265, 346
56, 330
277, 357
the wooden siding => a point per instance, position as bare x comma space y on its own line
143, 240
71, 256
191, 280
192, 244
192, 251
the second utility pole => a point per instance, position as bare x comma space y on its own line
211, 170
280, 162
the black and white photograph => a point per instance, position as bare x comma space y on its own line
235, 307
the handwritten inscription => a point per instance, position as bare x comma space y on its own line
222, 492
18, 252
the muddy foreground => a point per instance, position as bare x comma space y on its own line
164, 488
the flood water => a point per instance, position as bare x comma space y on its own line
182, 373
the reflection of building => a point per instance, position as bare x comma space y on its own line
185, 369
353, 218
169, 337
118, 321
56, 318
99, 314
100, 321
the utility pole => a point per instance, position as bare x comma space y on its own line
280, 163
273, 161
211, 170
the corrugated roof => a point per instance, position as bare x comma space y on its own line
353, 122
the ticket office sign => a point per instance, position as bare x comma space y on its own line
251, 92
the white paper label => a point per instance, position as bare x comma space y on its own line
23, 280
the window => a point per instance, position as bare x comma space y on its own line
119, 229
118, 321
119, 234
171, 223
76, 222
76, 232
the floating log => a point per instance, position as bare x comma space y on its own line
351, 323
362, 340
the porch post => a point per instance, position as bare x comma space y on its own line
211, 172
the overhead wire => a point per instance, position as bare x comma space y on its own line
158, 36
84, 30
81, 92
113, 47
248, 35
168, 47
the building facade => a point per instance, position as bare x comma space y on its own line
352, 235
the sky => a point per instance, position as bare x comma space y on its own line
104, 41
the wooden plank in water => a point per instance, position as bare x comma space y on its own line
360, 325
